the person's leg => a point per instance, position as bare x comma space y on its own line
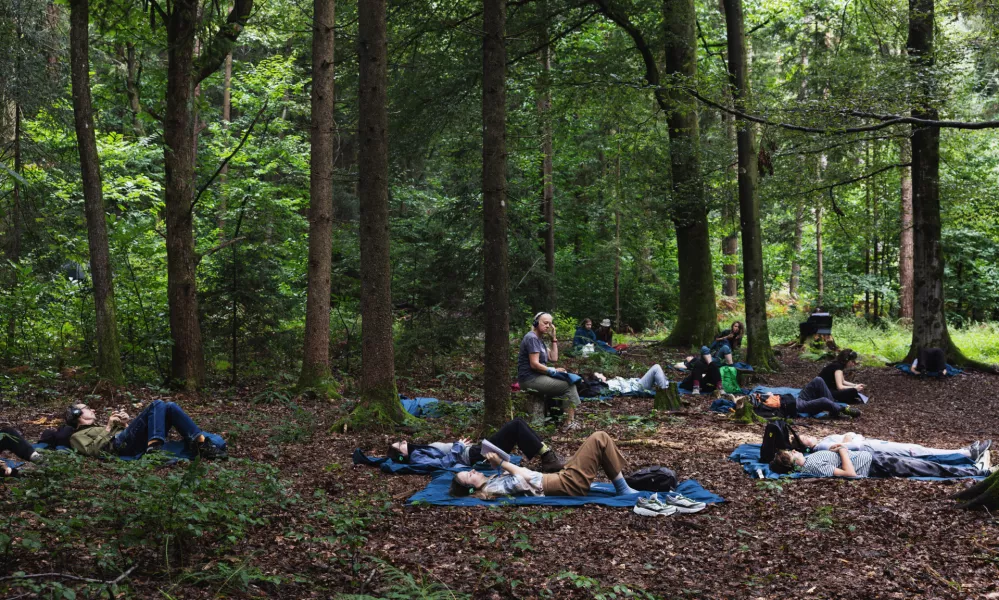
902, 449
888, 465
847, 396
816, 388
134, 439
818, 405
178, 419
517, 434
597, 452
11, 440
712, 377
654, 378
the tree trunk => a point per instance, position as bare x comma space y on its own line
697, 319
617, 268
905, 243
867, 238
730, 250
758, 350
380, 404
929, 325
316, 357
547, 174
496, 301
108, 357
188, 363
13, 250
799, 217
132, 87
819, 276
226, 119
730, 243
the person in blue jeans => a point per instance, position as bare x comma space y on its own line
145, 433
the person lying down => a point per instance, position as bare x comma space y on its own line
838, 461
855, 442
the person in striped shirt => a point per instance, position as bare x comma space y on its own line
838, 461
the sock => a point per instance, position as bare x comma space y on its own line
544, 449
621, 486
200, 439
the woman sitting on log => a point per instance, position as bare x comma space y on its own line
598, 452
533, 372
842, 390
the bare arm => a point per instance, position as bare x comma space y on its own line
847, 469
507, 466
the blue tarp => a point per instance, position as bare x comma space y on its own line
388, 465
436, 493
420, 407
748, 455
949, 372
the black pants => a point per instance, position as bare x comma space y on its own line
932, 360
847, 396
891, 465
816, 406
515, 434
708, 375
13, 441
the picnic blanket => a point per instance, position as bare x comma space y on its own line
948, 372
748, 455
436, 493
175, 449
421, 407
387, 465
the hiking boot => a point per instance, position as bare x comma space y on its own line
681, 503
551, 462
851, 411
209, 451
652, 507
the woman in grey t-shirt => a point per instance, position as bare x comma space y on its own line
533, 371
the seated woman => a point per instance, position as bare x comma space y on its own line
838, 461
598, 452
723, 355
442, 455
12, 441
585, 335
533, 371
605, 334
929, 360
705, 374
856, 442
731, 337
832, 374
146, 433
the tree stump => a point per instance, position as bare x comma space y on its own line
744, 413
532, 403
667, 399
983, 494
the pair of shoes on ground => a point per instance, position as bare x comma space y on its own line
654, 506
981, 455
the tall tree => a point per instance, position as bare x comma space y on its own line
496, 297
132, 88
547, 171
697, 319
316, 358
379, 399
108, 357
799, 218
758, 352
905, 241
183, 74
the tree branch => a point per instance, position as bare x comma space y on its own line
222, 42
651, 67
221, 246
246, 134
111, 582
853, 180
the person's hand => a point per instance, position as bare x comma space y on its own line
837, 447
465, 442
561, 370
860, 387
493, 459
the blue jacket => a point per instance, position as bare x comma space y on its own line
584, 336
431, 456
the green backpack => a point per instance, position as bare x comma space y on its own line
730, 380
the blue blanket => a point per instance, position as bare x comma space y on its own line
420, 407
175, 449
387, 465
948, 372
748, 455
436, 493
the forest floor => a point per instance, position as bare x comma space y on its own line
338, 527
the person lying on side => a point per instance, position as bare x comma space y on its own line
598, 452
856, 442
929, 360
146, 433
11, 440
443, 455
813, 399
832, 374
838, 461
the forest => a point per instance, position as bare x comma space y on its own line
291, 218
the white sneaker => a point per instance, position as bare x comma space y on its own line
984, 461
681, 503
652, 507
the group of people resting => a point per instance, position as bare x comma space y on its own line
602, 338
853, 455
121, 435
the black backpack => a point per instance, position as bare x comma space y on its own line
653, 479
778, 435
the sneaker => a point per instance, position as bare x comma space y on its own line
209, 451
851, 411
984, 462
681, 503
551, 462
37, 458
652, 507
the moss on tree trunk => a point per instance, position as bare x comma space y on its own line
983, 494
744, 413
